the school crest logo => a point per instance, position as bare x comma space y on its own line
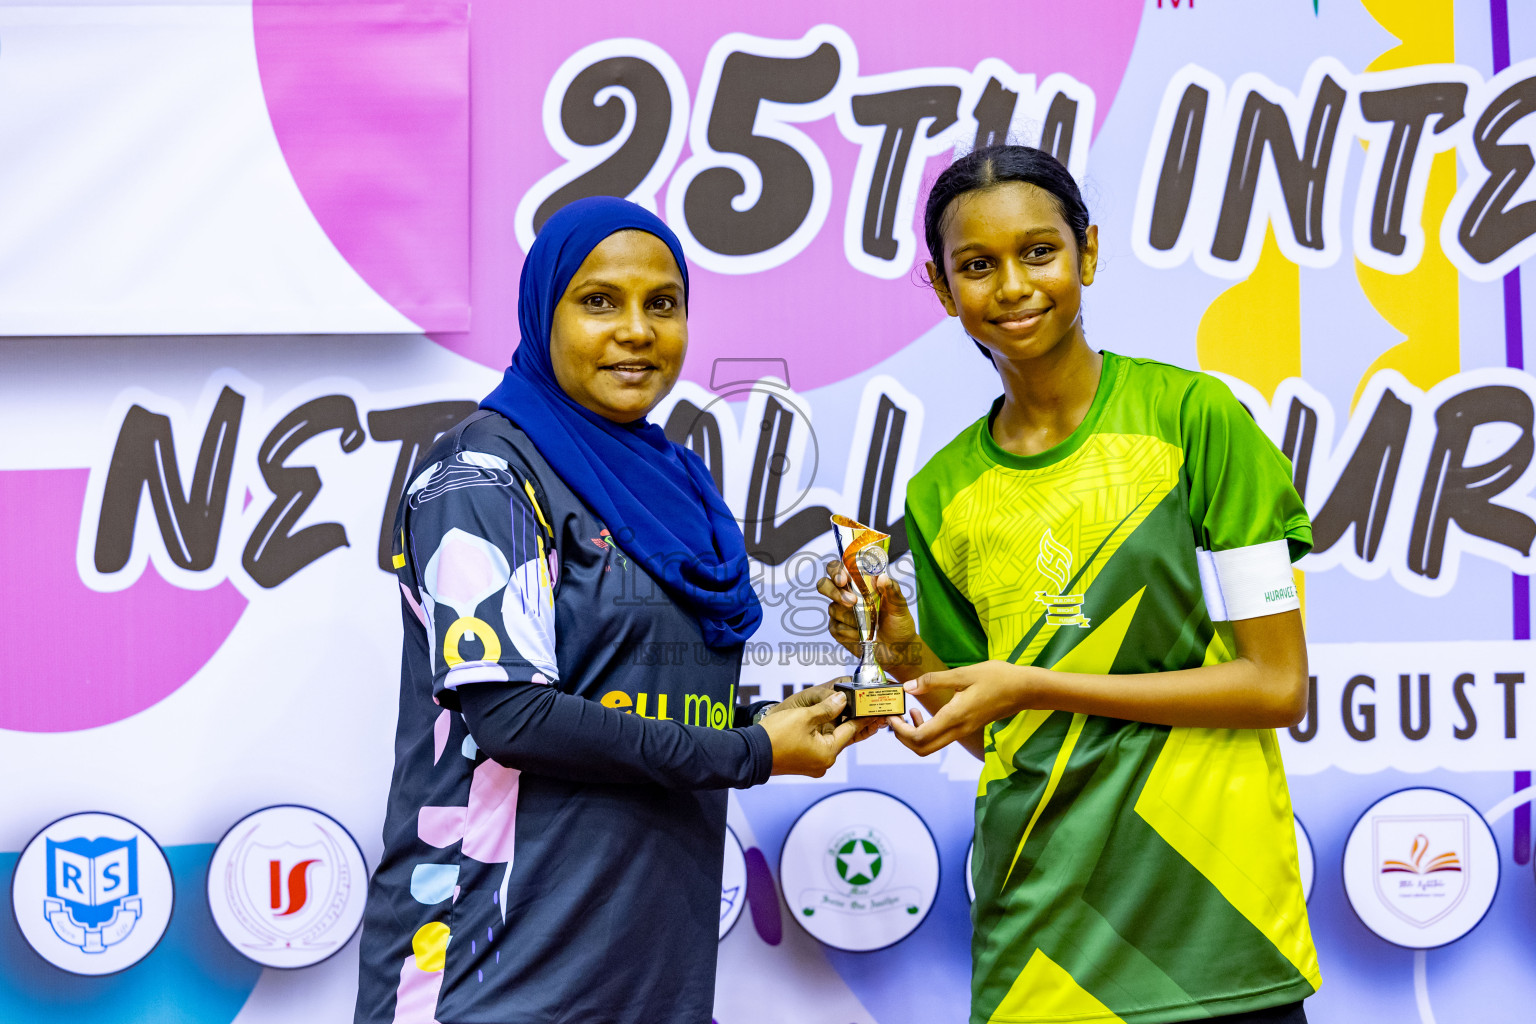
1422, 878
1421, 868
286, 886
854, 886
93, 887
92, 893
1054, 562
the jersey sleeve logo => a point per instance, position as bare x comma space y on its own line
465, 469
1054, 562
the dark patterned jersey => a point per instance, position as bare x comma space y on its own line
556, 818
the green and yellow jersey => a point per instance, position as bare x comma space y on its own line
1123, 871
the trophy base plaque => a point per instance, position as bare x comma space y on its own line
872, 701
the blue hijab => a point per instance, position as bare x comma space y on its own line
656, 497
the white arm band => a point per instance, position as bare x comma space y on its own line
1244, 583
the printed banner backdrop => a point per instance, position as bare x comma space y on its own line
234, 167
227, 225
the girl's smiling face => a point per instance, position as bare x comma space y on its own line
1013, 273
620, 331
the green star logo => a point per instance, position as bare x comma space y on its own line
858, 862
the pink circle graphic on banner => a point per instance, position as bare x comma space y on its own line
89, 658
827, 318
370, 104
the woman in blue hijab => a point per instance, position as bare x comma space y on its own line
576, 596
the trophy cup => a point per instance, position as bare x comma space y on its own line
863, 552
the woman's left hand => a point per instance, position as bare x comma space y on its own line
813, 695
983, 694
810, 696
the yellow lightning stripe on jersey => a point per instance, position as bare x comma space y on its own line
1062, 757
1095, 655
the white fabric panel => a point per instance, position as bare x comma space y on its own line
528, 613
474, 672
1255, 580
1215, 604
143, 190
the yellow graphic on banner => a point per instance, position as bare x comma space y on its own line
1425, 31
1425, 303
1252, 331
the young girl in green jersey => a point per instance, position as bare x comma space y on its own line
1110, 622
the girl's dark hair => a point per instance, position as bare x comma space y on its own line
989, 167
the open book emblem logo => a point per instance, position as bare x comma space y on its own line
1422, 870
93, 891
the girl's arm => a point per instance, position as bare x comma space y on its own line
1263, 687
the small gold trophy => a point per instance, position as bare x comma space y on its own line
864, 555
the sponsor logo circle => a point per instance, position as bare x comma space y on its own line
1421, 868
733, 883
859, 870
286, 886
1305, 858
92, 893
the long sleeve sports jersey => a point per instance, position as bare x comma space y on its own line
1123, 871
556, 819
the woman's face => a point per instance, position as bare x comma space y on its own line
620, 330
1013, 273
